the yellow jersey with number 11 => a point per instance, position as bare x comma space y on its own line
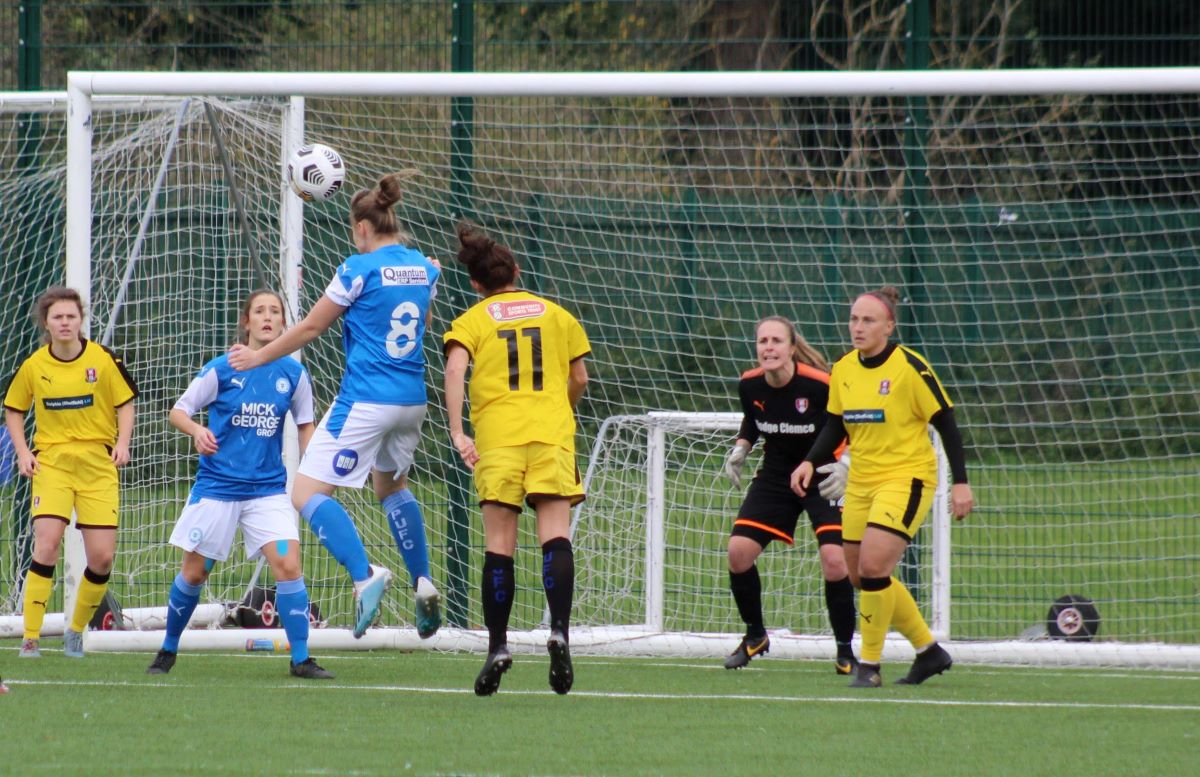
521, 348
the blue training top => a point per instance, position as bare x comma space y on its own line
387, 294
245, 413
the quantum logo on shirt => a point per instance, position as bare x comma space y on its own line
863, 416
403, 276
513, 311
260, 416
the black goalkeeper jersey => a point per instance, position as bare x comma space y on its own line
787, 418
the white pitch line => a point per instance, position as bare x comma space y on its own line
735, 697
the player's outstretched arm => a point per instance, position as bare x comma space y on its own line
320, 318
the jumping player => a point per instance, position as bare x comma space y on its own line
383, 294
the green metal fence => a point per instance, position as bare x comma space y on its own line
47, 39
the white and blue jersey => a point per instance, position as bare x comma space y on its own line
245, 413
387, 294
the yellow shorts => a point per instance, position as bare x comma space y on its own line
898, 506
515, 474
79, 476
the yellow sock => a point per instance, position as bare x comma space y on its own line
37, 593
875, 616
907, 618
87, 600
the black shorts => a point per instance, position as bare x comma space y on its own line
771, 510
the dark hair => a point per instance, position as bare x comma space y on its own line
375, 205
41, 308
889, 296
243, 333
489, 263
801, 351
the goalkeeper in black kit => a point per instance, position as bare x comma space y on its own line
783, 401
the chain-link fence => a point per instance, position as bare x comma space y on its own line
47, 39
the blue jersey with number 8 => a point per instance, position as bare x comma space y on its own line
386, 294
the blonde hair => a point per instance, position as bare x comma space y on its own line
889, 296
801, 350
375, 205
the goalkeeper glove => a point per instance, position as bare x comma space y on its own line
734, 462
833, 487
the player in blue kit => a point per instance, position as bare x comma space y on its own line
242, 481
383, 296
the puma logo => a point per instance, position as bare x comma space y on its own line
239, 382
760, 405
176, 610
43, 377
866, 617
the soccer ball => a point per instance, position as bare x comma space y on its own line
316, 172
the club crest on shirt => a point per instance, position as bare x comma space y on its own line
885, 386
283, 385
90, 375
512, 311
802, 405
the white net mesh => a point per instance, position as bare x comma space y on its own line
1046, 248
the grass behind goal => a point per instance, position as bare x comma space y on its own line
389, 713
1010, 559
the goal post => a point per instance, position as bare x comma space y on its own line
1042, 226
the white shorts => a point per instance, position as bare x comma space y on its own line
356, 437
207, 527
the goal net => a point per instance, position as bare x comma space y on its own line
1041, 225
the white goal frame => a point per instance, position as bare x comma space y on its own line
85, 88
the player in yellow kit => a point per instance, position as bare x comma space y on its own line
82, 400
528, 374
884, 395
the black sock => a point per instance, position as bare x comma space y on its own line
839, 598
558, 578
747, 592
499, 585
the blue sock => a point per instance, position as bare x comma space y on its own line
334, 528
291, 602
180, 606
408, 529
